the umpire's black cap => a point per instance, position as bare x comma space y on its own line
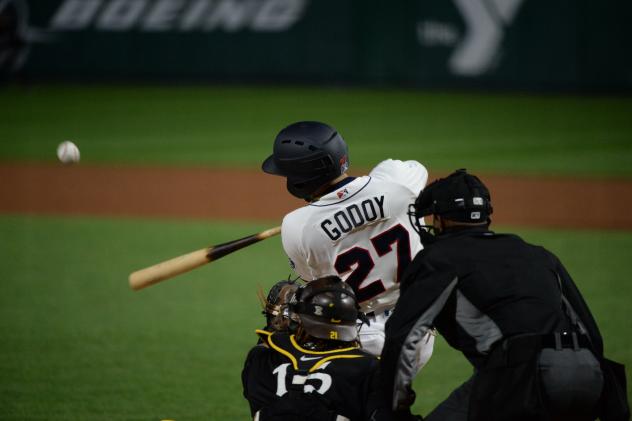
459, 197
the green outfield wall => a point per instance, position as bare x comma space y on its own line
561, 44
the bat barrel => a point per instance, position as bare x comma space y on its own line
168, 269
181, 264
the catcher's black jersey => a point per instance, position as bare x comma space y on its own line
343, 379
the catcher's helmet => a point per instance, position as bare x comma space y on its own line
309, 154
328, 309
460, 197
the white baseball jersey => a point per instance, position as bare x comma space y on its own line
360, 232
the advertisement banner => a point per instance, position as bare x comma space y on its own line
516, 44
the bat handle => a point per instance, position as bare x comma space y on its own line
221, 250
168, 269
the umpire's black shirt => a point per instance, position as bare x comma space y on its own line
477, 287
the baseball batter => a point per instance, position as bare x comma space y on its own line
353, 227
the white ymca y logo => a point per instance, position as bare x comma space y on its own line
477, 50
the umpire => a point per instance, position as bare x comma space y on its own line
510, 307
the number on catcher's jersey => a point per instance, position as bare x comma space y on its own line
315, 382
382, 244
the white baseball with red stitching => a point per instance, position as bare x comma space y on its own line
68, 152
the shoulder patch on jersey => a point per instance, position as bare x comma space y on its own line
338, 196
342, 193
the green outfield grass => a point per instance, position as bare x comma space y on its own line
77, 344
236, 126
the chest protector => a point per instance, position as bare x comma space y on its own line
297, 405
305, 361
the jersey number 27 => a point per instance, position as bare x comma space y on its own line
383, 244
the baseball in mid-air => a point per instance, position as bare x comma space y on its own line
68, 152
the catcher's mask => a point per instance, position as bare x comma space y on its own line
275, 305
460, 197
309, 154
328, 309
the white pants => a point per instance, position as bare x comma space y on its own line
372, 335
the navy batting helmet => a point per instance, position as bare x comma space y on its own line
310, 155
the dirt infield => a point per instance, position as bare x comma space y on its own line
251, 195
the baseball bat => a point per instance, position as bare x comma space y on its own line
169, 268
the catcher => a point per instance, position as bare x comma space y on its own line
309, 365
